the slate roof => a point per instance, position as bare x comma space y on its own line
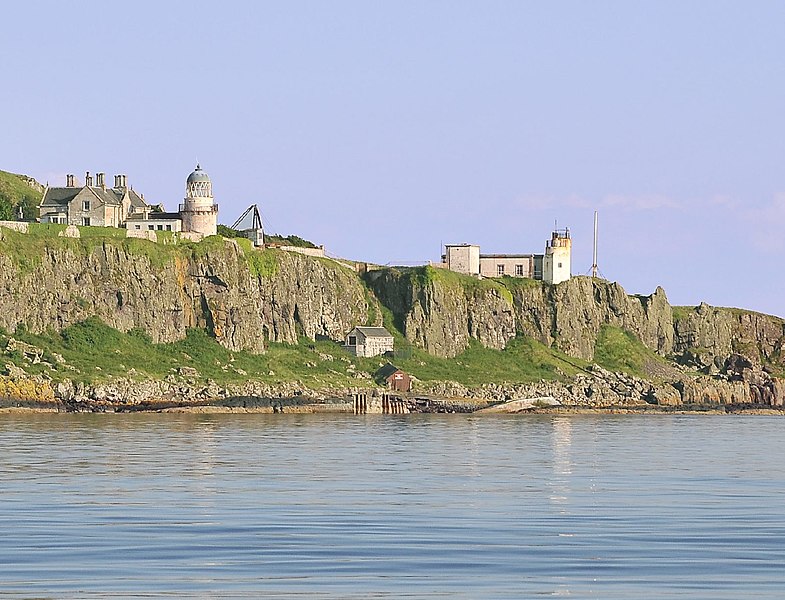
509, 255
136, 200
156, 216
59, 195
387, 370
374, 331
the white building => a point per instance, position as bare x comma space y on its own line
369, 341
556, 264
462, 258
551, 267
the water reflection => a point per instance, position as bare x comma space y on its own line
561, 444
424, 506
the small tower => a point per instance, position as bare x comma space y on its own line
198, 213
556, 262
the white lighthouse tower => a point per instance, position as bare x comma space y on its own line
199, 213
556, 262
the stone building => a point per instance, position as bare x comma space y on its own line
198, 211
93, 203
120, 206
369, 341
551, 267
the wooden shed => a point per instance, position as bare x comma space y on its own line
395, 379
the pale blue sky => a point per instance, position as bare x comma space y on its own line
383, 129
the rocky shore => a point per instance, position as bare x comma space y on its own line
739, 385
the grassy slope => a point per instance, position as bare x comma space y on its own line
14, 190
617, 349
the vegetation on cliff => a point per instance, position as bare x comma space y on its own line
19, 191
104, 306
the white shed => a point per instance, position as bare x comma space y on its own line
369, 341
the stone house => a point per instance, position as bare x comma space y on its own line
92, 204
369, 341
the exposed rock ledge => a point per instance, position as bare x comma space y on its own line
740, 384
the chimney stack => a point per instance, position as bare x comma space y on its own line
88, 179
119, 181
99, 180
69, 180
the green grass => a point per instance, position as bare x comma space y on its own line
263, 263
681, 313
424, 276
95, 352
15, 190
617, 349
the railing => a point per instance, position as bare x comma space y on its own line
213, 208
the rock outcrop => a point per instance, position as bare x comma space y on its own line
441, 311
707, 335
165, 290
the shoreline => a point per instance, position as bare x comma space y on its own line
299, 405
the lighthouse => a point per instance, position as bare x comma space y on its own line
198, 212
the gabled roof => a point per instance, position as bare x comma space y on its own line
387, 370
374, 331
106, 195
59, 195
136, 200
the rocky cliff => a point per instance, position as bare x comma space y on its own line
242, 297
441, 311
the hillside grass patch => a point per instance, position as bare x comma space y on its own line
617, 349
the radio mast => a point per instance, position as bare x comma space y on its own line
594, 268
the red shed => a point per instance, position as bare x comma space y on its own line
396, 379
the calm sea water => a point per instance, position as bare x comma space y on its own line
434, 506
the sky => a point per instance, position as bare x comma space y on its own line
384, 130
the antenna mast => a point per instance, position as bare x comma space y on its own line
594, 267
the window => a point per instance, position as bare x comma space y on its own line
151, 227
500, 269
519, 270
168, 228
352, 340
160, 228
86, 205
560, 265
86, 221
137, 226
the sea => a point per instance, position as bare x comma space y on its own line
414, 506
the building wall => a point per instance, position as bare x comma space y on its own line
94, 215
318, 252
154, 225
556, 263
514, 266
463, 258
200, 215
373, 346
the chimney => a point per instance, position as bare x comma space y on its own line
88, 179
69, 180
99, 180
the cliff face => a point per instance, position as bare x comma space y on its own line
707, 335
165, 290
570, 315
442, 312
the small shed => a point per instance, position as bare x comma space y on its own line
369, 341
395, 379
